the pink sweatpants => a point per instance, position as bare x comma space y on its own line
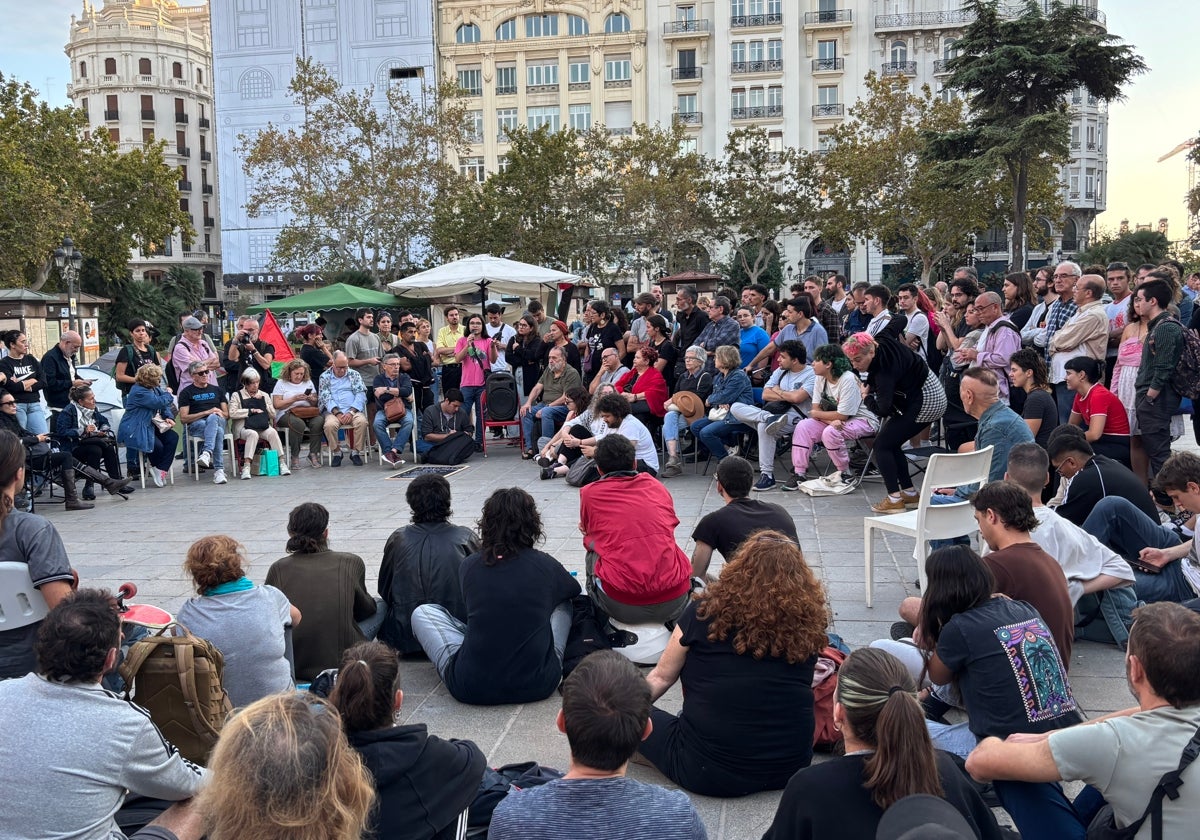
809, 432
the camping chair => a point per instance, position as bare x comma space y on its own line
488, 425
41, 473
930, 521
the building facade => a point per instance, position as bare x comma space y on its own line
142, 72
255, 47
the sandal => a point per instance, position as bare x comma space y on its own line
528, 455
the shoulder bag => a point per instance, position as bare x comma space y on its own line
1104, 826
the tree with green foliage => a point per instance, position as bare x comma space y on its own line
1017, 71
357, 180
1135, 248
350, 277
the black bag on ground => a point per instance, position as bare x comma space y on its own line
452, 452
497, 784
500, 390
588, 633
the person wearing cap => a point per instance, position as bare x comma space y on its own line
685, 406
193, 346
202, 410
253, 414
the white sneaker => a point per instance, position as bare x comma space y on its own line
205, 459
219, 477
160, 478
284, 469
246, 472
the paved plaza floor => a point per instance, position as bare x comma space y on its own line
145, 540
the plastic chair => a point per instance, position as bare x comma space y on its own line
930, 521
21, 604
194, 444
142, 462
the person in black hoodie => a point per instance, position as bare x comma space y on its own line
422, 782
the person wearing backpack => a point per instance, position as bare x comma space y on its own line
1158, 395
72, 750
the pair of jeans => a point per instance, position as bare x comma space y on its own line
386, 441
32, 418
370, 626
671, 423
552, 417
211, 430
473, 395
1117, 522
1065, 398
441, 634
1154, 423
715, 434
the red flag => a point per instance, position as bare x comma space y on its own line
271, 334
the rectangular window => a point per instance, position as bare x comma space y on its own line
114, 134
541, 74
475, 125
502, 163
580, 72
685, 13
581, 117
827, 95
618, 69
471, 81
618, 117
245, 6
577, 25
686, 103
148, 139
824, 141
689, 145
737, 98
506, 80
259, 250
774, 7
775, 49
775, 141
506, 120
758, 97
541, 26
1075, 183
83, 106
757, 52
253, 36
545, 116
472, 169
737, 8
391, 26
775, 96
757, 7
826, 49
320, 32
737, 51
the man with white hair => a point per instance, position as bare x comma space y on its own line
1085, 333
58, 370
999, 341
344, 400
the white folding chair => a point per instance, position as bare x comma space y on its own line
142, 462
930, 521
21, 604
195, 444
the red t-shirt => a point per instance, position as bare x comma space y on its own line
1100, 400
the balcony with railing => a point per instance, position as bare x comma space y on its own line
112, 114
898, 68
747, 21
181, 119
769, 65
941, 66
674, 29
689, 117
505, 90
687, 73
207, 189
621, 131
147, 113
833, 109
827, 65
183, 151
542, 88
185, 186
756, 112
610, 84
925, 20
206, 157
209, 221
829, 18
203, 122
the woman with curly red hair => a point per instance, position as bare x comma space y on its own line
744, 652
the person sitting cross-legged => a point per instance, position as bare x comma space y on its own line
202, 410
605, 715
446, 431
344, 400
635, 571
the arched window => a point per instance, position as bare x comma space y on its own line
950, 48
577, 25
899, 52
468, 33
144, 67
110, 67
1070, 237
507, 31
176, 70
616, 23
83, 69
255, 84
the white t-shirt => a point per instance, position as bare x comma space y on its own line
504, 332
786, 380
292, 389
848, 393
643, 442
918, 325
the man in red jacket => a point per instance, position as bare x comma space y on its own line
635, 570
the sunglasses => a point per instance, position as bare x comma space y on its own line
8, 402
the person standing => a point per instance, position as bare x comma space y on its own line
447, 340
999, 341
691, 322
1157, 399
1066, 275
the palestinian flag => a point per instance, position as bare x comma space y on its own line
271, 334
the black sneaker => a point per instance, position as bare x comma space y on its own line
791, 485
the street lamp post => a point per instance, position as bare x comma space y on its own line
69, 259
643, 259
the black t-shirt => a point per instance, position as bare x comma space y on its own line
317, 360
829, 801
598, 338
1100, 477
1039, 405
749, 716
727, 528
200, 399
17, 371
1008, 669
666, 350
134, 360
508, 653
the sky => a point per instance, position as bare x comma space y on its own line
1159, 112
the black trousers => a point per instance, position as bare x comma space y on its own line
893, 465
94, 451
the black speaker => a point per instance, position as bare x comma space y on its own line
501, 392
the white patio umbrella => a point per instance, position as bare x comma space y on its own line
484, 274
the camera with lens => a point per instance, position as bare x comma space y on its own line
152, 331
245, 340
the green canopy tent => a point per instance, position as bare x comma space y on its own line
337, 296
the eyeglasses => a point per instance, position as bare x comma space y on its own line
8, 402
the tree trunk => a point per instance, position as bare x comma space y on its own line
1020, 197
926, 269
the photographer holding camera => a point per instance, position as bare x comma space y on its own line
244, 351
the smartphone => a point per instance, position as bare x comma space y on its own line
308, 391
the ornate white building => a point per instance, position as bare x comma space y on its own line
142, 71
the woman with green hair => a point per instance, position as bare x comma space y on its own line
838, 414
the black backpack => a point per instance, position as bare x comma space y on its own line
501, 393
497, 784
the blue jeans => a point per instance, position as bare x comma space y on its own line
387, 442
1065, 398
1040, 810
32, 418
473, 395
671, 424
370, 626
552, 417
1117, 523
714, 435
212, 431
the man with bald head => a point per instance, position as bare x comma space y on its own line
58, 370
343, 399
999, 341
1084, 334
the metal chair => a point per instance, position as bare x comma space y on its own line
930, 521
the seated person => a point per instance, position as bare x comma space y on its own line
510, 648
635, 571
148, 401
1105, 420
838, 415
744, 653
446, 431
71, 751
583, 423
605, 715
609, 371
645, 388
253, 414
728, 527
295, 403
546, 403
1123, 755
614, 411
328, 587
422, 562
787, 397
245, 622
85, 432
1088, 478
730, 385
887, 757
1164, 568
697, 384
422, 782
344, 401
392, 383
202, 410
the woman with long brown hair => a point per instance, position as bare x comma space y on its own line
888, 756
744, 653
1019, 297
